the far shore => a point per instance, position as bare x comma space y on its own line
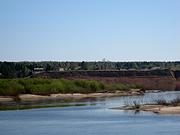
74, 96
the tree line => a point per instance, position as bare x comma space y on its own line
24, 69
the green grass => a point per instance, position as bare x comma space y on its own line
14, 87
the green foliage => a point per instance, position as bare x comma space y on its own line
10, 88
84, 65
14, 87
24, 69
7, 69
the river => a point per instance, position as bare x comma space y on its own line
96, 118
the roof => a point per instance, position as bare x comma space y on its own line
38, 69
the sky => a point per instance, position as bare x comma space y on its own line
89, 30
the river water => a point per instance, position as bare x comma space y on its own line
96, 118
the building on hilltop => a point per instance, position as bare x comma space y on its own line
38, 70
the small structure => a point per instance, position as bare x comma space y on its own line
38, 70
155, 68
77, 68
61, 69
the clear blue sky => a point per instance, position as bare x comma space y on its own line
76, 30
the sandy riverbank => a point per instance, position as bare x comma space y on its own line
160, 109
31, 97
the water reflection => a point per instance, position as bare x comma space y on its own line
109, 102
93, 119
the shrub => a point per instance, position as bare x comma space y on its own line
11, 88
136, 105
14, 87
161, 102
175, 102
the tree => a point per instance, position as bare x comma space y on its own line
8, 69
84, 65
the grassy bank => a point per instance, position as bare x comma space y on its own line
14, 87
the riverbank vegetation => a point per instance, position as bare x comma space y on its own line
174, 102
39, 86
161, 106
158, 101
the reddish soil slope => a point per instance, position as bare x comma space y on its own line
150, 80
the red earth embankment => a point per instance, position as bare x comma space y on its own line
148, 83
149, 79
178, 84
177, 76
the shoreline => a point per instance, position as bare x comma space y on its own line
155, 108
74, 96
